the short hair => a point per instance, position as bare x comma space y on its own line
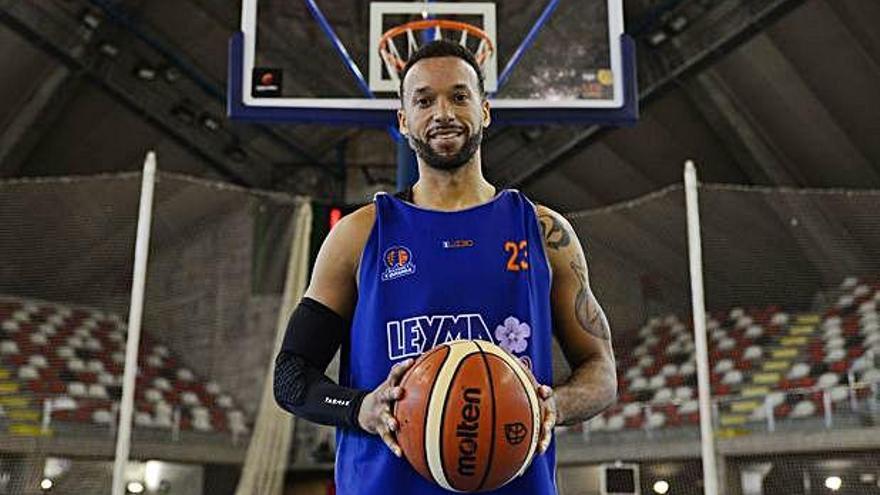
443, 48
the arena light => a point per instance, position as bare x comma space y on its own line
135, 487
210, 122
661, 487
46, 484
145, 73
833, 483
657, 38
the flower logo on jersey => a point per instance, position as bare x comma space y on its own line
512, 335
398, 263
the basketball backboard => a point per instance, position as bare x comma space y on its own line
320, 61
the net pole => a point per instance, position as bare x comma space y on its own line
695, 256
141, 250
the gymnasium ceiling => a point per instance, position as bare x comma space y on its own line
755, 91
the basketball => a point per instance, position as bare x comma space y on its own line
469, 418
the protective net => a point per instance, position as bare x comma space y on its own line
791, 290
216, 273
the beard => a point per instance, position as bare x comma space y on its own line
447, 162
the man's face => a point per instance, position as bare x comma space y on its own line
443, 112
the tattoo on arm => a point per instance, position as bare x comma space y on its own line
589, 313
554, 232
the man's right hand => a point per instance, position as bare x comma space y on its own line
375, 413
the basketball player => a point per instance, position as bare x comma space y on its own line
452, 258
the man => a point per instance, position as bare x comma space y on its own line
452, 258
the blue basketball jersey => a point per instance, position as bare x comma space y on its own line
428, 277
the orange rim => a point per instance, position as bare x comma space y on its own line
428, 24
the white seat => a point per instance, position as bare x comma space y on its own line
832, 322
49, 328
77, 389
76, 364
646, 362
669, 370
651, 340
89, 323
118, 357
688, 368
641, 350
723, 366
828, 380
845, 301
835, 355
614, 423
662, 395
143, 419
161, 351
38, 361
102, 417
849, 282
597, 423
153, 395
213, 388
224, 401
712, 324
82, 332
656, 420
28, 373
799, 370
689, 407
726, 344
684, 393
834, 343
719, 333
106, 379
736, 313
65, 352
656, 382
732, 377
839, 393
779, 319
832, 332
678, 329
803, 409
8, 347
10, 326
753, 352
97, 391
869, 306
744, 322
862, 290
202, 424
631, 409
185, 375
670, 320
162, 383
21, 316
116, 336
871, 339
638, 383
754, 331
92, 344
189, 399
75, 342
631, 374
154, 361
95, 365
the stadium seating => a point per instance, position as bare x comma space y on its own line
795, 364
72, 358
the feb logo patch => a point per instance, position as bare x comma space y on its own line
398, 263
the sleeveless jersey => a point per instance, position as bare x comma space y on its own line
428, 277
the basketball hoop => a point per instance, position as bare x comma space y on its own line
395, 63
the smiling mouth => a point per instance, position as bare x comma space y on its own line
446, 133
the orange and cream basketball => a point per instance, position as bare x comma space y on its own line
470, 418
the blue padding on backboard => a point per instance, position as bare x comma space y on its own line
627, 115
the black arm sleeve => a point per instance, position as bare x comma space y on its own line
314, 334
